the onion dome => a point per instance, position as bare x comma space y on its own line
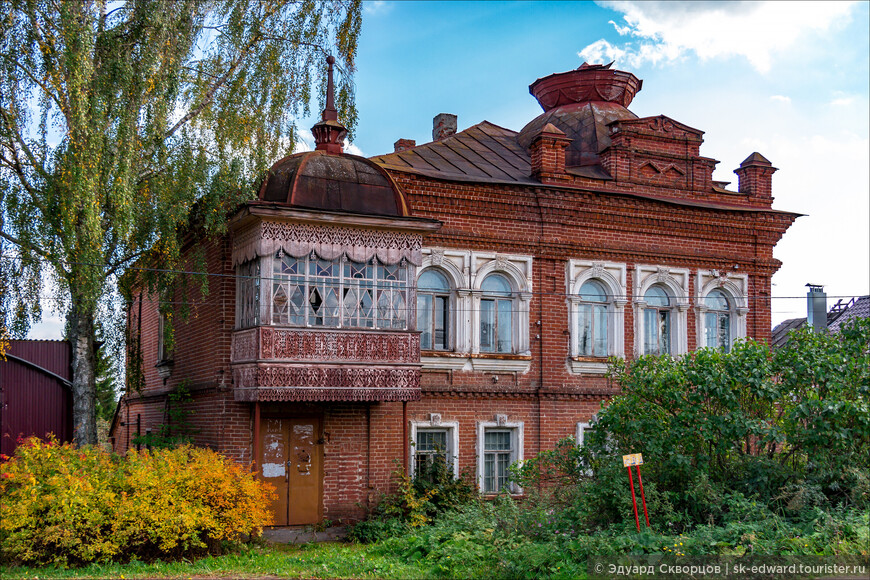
581, 103
329, 179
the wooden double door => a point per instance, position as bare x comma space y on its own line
292, 461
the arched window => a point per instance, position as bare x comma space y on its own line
657, 320
717, 320
592, 318
496, 314
433, 310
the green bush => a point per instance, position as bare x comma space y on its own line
69, 506
506, 539
785, 428
416, 502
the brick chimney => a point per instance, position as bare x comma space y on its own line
443, 125
403, 145
754, 177
548, 153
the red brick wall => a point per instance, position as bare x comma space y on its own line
590, 221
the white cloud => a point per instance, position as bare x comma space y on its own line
353, 150
843, 101
377, 7
829, 245
669, 31
49, 328
781, 99
304, 141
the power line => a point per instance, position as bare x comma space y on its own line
392, 285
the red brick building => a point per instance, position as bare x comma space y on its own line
459, 297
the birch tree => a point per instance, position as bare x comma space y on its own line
116, 117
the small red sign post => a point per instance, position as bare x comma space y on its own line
636, 459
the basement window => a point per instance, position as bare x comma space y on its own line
500, 444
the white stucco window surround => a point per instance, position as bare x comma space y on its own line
499, 444
490, 296
731, 319
582, 430
453, 266
435, 426
597, 296
499, 284
671, 285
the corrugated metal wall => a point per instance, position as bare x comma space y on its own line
33, 402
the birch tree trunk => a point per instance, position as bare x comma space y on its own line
81, 335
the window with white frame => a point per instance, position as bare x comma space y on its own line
496, 314
583, 429
471, 306
597, 299
661, 301
717, 320
434, 310
338, 293
593, 320
430, 452
498, 454
720, 308
500, 444
657, 321
434, 445
248, 294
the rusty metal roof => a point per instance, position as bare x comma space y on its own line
319, 180
484, 153
585, 123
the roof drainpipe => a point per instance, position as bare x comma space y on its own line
817, 308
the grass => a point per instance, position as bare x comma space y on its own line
327, 560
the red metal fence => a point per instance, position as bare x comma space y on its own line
35, 397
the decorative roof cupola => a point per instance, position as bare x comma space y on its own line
325, 262
329, 133
581, 104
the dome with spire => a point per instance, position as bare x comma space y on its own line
329, 179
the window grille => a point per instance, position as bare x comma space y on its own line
248, 294
338, 293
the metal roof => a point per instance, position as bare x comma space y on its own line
483, 153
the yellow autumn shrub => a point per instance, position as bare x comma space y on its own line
67, 506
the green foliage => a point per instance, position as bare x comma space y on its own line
67, 506
416, 502
481, 540
711, 424
503, 539
177, 430
445, 491
117, 118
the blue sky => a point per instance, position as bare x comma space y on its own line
790, 80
